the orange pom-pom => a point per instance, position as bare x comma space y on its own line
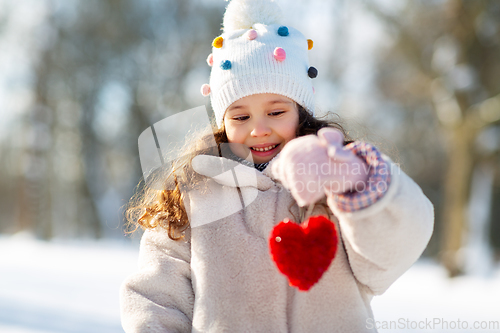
218, 42
309, 44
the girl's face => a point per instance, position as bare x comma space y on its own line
264, 123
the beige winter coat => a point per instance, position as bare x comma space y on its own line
222, 279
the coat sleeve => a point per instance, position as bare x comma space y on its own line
159, 297
385, 238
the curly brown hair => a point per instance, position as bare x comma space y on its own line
158, 201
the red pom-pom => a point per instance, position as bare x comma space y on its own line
304, 252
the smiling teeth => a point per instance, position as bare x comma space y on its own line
265, 149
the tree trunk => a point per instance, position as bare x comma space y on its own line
456, 187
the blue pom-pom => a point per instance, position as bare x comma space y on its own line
283, 31
225, 64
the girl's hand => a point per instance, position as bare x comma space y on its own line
310, 166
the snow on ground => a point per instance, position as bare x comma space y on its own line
425, 300
62, 286
72, 286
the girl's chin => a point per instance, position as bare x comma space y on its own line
260, 161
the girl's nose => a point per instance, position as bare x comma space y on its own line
261, 128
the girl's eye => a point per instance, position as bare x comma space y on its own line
241, 118
276, 113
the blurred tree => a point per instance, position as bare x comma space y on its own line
444, 57
103, 71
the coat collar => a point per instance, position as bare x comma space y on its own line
223, 171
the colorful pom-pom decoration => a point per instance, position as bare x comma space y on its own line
283, 31
251, 34
205, 90
210, 60
217, 43
225, 64
279, 54
309, 44
312, 72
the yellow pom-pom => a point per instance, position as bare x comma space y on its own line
218, 42
309, 44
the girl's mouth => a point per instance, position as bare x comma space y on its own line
264, 151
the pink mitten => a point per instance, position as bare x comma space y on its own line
310, 166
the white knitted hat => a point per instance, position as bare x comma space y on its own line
256, 54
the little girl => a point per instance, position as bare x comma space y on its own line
205, 263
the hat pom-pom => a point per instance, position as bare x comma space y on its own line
242, 14
205, 90
210, 60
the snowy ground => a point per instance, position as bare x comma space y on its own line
62, 287
425, 300
73, 287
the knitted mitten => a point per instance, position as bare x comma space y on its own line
310, 166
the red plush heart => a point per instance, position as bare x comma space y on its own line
304, 252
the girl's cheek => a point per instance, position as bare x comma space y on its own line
229, 133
